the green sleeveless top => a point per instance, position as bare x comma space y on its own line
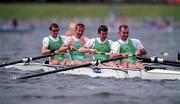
128, 49
101, 47
76, 55
56, 46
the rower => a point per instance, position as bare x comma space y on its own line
52, 44
99, 47
74, 43
127, 47
70, 32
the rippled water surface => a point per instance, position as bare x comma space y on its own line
70, 89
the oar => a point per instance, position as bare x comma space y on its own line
27, 59
159, 60
69, 68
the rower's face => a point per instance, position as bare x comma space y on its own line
54, 32
79, 31
124, 33
103, 35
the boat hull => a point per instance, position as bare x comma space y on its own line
155, 74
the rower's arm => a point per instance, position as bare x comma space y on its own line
62, 49
116, 55
45, 44
83, 49
45, 51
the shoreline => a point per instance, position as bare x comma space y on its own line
63, 11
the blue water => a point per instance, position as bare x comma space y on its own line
70, 89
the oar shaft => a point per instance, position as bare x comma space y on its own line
159, 60
40, 57
26, 59
171, 64
55, 71
11, 63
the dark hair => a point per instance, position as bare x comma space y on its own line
80, 25
102, 28
123, 27
53, 25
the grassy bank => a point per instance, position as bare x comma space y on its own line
29, 11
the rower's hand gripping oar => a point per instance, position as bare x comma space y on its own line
93, 51
27, 59
70, 68
159, 60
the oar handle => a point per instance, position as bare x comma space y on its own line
104, 53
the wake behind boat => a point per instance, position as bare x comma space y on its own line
155, 73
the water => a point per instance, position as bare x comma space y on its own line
70, 89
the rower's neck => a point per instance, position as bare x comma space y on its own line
102, 40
